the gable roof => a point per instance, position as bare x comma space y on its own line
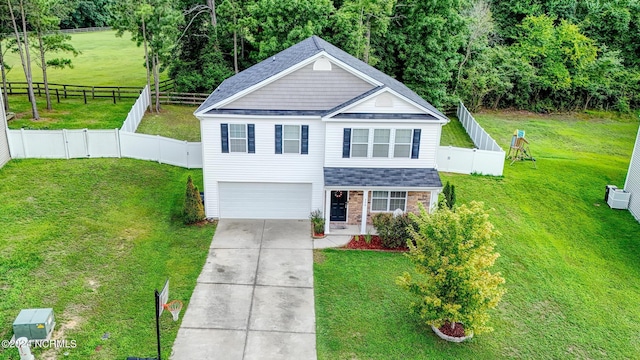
296, 54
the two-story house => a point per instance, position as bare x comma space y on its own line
312, 127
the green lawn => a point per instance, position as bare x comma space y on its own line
71, 113
571, 262
454, 134
105, 60
174, 121
92, 239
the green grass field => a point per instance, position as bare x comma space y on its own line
92, 239
106, 60
570, 262
70, 113
454, 134
174, 121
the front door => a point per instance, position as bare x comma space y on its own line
339, 205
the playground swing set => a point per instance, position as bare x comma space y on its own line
519, 149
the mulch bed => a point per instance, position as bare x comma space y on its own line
457, 331
358, 242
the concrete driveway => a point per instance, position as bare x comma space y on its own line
254, 297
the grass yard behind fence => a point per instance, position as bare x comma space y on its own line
570, 262
454, 134
106, 60
174, 121
92, 239
71, 113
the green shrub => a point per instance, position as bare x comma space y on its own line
393, 231
452, 252
449, 196
318, 221
193, 210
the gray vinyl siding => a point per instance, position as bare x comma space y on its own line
4, 143
305, 89
632, 184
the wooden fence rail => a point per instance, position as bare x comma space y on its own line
67, 90
181, 98
167, 85
63, 91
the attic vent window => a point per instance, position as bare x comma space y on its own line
384, 100
322, 64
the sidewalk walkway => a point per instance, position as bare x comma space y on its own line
254, 298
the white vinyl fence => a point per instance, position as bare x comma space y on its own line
137, 112
478, 135
68, 144
487, 159
468, 161
5, 153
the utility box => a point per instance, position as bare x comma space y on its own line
618, 199
34, 324
607, 190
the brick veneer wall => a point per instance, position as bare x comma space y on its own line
415, 197
354, 206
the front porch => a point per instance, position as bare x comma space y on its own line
342, 228
352, 195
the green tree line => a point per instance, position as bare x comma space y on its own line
538, 55
542, 56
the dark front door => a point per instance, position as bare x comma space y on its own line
338, 206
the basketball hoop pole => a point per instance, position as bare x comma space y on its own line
158, 322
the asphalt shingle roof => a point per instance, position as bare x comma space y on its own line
385, 116
296, 54
267, 112
382, 177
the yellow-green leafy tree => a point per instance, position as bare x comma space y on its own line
452, 252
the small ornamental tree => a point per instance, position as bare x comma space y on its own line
452, 252
449, 193
193, 211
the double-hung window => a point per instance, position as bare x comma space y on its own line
291, 139
381, 139
238, 138
402, 146
388, 201
360, 143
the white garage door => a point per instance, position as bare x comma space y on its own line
264, 201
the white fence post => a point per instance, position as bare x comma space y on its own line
24, 143
159, 149
66, 143
86, 143
118, 144
186, 149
